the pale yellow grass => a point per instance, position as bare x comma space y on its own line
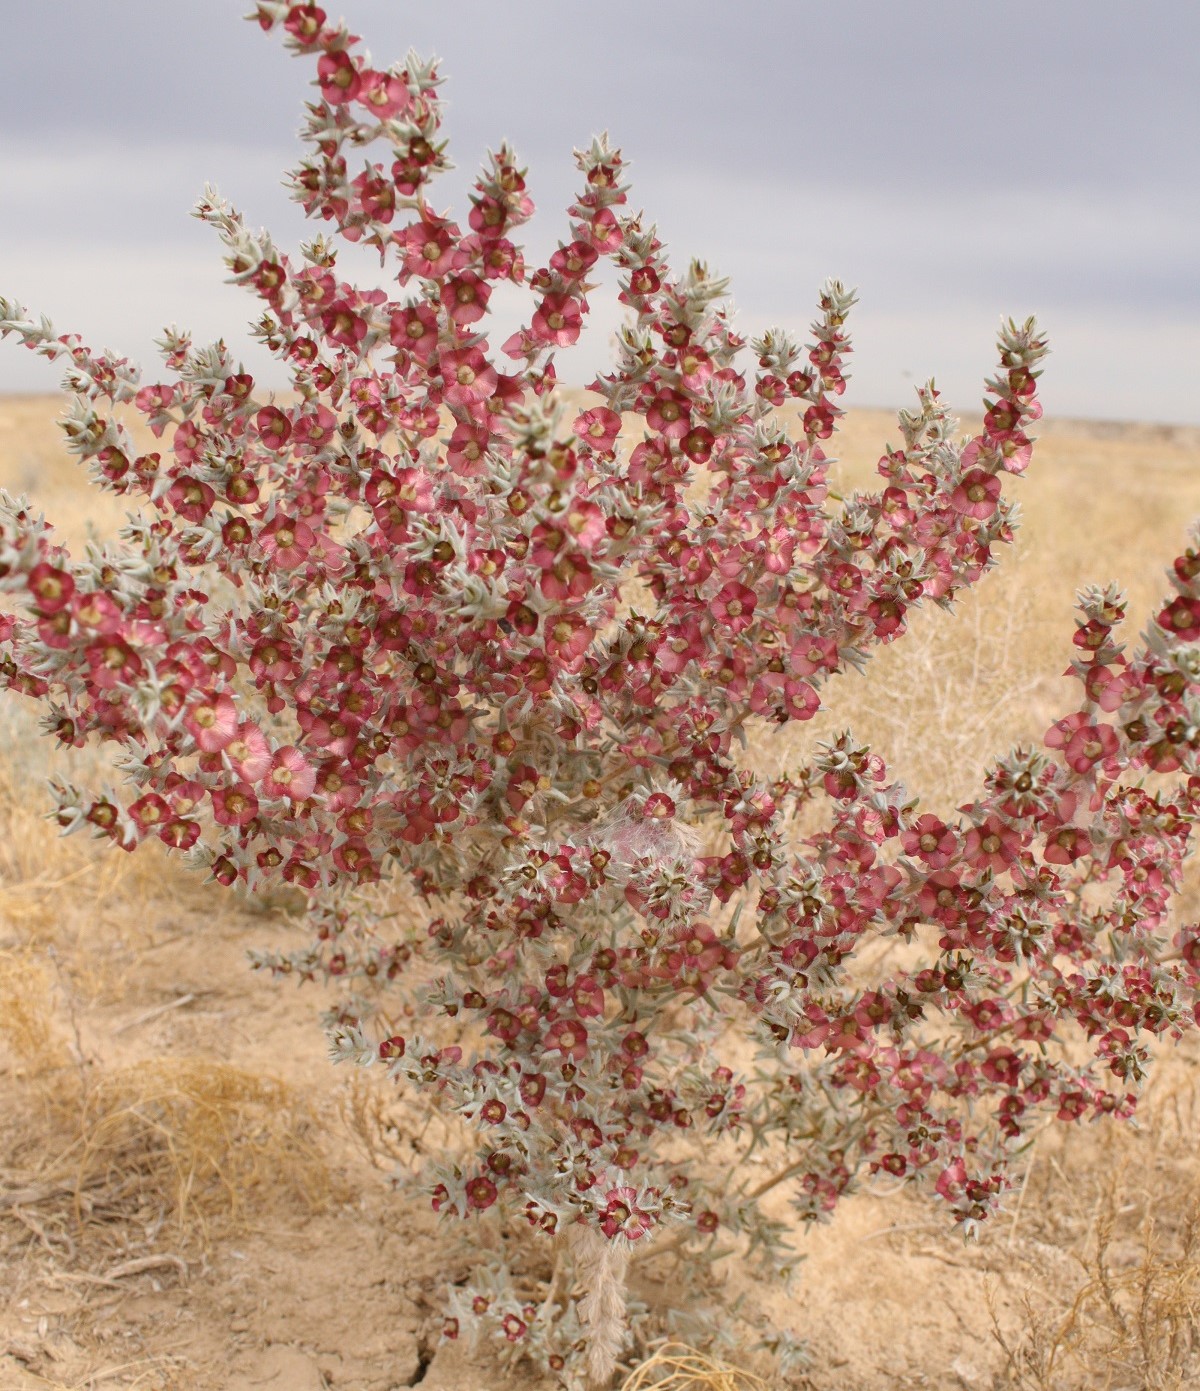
677, 1367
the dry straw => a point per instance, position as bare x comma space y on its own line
204, 1137
677, 1367
27, 1012
186, 1144
1119, 1305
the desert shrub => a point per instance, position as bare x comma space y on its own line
420, 620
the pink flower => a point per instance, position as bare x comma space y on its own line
695, 367
499, 258
643, 281
733, 607
285, 542
340, 79
191, 498
818, 421
951, 1179
1088, 746
315, 428
429, 249
1181, 618
304, 23
977, 495
668, 414
558, 319
467, 448
574, 260
180, 833
514, 1328
52, 588
465, 297
413, 490
212, 721
940, 896
248, 752
468, 376
568, 1037
585, 524
992, 845
96, 611
234, 806
812, 654
602, 231
698, 444
1066, 845
777, 551
1108, 687
570, 577
568, 637
290, 775
481, 1193
621, 1215
274, 428
1003, 1067
152, 400
930, 840
353, 856
150, 812
800, 700
1002, 419
1015, 450
683, 644
415, 329
384, 95
273, 660
376, 196
343, 324
112, 663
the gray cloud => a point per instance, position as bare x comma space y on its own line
956, 162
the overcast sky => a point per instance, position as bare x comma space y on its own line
956, 162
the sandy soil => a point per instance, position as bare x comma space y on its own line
285, 1261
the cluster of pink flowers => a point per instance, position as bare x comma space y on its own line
419, 619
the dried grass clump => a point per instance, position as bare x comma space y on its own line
1130, 1323
389, 1128
27, 1017
203, 1137
1119, 1309
187, 1144
677, 1367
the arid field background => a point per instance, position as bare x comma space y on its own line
191, 1197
